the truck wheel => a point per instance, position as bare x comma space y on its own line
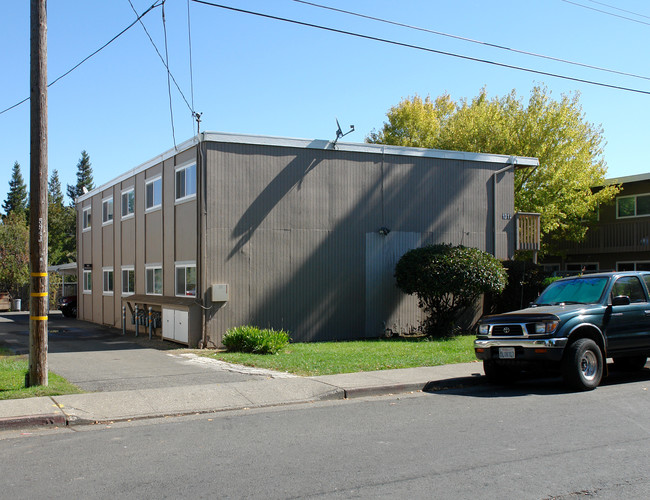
498, 374
630, 363
583, 365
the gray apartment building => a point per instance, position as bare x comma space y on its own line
304, 235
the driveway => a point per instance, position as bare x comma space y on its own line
98, 358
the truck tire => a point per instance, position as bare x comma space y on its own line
583, 365
630, 363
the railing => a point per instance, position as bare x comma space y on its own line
528, 231
622, 236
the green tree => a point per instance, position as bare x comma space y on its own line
570, 149
17, 197
84, 178
447, 281
14, 254
62, 222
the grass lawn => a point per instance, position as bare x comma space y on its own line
326, 358
12, 379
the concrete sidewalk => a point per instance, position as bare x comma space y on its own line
116, 406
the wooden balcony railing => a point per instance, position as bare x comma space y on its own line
620, 236
528, 231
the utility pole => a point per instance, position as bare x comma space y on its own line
38, 197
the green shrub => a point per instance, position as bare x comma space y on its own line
255, 340
447, 281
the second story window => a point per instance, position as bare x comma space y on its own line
186, 182
632, 206
85, 224
153, 193
107, 210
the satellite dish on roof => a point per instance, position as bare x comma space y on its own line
339, 132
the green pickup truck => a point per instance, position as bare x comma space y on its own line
573, 327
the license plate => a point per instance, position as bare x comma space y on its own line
506, 353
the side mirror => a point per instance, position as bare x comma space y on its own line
621, 300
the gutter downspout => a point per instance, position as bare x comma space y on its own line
201, 222
494, 199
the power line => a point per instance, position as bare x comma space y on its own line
608, 13
189, 43
169, 86
425, 49
487, 44
157, 4
617, 8
162, 59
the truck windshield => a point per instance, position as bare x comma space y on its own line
574, 291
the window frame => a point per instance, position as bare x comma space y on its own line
582, 265
154, 206
636, 204
105, 202
153, 268
183, 170
87, 281
108, 271
86, 218
185, 266
128, 269
635, 264
126, 192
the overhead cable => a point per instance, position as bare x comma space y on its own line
157, 4
425, 49
169, 86
487, 44
162, 59
618, 8
608, 13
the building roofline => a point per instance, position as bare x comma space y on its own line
627, 178
263, 140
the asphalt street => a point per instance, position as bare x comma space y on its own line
100, 359
532, 441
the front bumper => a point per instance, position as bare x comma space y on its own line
525, 349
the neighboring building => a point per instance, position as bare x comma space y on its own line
619, 240
303, 235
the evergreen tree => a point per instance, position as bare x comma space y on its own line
62, 222
84, 178
17, 197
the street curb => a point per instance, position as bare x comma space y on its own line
431, 386
32, 421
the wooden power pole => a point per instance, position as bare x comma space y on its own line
38, 307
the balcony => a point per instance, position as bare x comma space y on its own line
620, 236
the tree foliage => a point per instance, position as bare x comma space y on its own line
570, 150
447, 281
84, 178
17, 197
14, 254
62, 221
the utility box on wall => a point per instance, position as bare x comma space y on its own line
219, 293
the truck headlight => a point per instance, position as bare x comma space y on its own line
483, 329
546, 327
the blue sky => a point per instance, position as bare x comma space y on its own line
253, 75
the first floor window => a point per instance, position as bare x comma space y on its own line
153, 279
186, 280
128, 281
108, 280
87, 281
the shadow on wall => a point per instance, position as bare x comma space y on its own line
322, 293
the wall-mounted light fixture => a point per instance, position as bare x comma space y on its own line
383, 231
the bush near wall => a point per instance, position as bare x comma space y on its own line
255, 340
